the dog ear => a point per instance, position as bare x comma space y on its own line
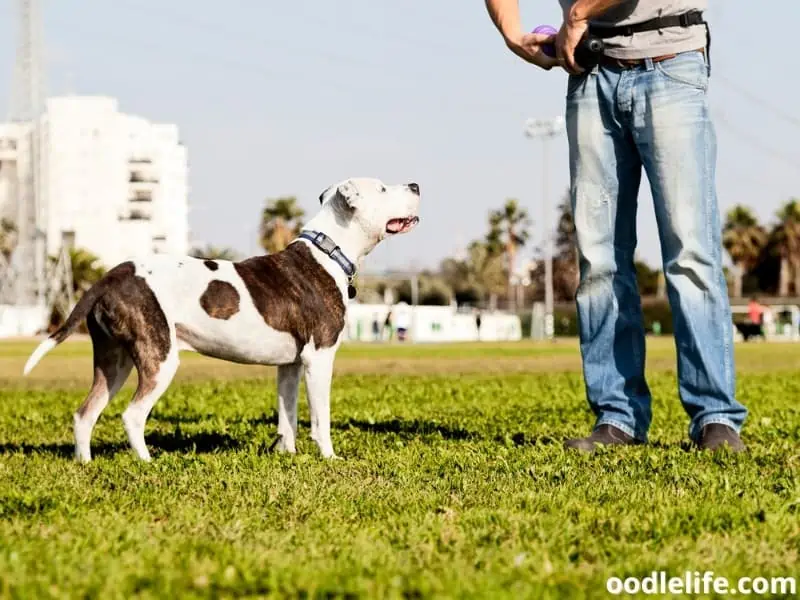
347, 191
325, 194
344, 191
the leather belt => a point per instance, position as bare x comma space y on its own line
629, 63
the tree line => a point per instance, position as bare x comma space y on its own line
501, 270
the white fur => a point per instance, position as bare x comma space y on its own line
354, 214
42, 349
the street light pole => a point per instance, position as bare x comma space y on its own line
545, 130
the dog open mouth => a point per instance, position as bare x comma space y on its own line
401, 225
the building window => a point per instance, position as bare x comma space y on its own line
142, 196
134, 215
159, 242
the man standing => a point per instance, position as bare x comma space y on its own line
643, 106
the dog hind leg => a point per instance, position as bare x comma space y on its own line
112, 365
288, 387
154, 379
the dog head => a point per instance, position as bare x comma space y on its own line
378, 209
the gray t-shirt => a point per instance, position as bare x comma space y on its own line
651, 43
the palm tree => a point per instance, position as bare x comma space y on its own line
508, 227
281, 222
486, 266
566, 265
86, 270
211, 252
476, 274
744, 239
786, 238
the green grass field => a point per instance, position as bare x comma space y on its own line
454, 482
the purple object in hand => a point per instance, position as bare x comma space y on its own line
548, 49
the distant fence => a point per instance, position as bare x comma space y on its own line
367, 323
782, 321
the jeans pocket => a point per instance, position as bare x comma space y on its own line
688, 68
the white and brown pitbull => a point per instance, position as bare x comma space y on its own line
285, 309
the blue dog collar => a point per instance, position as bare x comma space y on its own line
329, 247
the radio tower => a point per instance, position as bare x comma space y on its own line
28, 261
28, 283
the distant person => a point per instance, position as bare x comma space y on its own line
376, 328
478, 323
755, 311
644, 106
402, 320
387, 325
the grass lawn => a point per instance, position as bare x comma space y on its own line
454, 484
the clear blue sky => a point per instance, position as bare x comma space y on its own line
278, 98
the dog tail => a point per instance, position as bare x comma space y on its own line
37, 355
76, 317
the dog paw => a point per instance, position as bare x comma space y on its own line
283, 446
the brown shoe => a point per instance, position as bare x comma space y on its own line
716, 435
605, 435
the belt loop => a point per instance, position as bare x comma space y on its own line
648, 64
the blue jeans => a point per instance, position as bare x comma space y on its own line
654, 116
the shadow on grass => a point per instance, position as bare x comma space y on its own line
527, 439
404, 428
408, 429
271, 419
201, 443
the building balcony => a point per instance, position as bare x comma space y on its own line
142, 177
135, 214
141, 195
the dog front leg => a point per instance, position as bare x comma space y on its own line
288, 385
319, 371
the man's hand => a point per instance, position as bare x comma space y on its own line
569, 36
528, 46
576, 24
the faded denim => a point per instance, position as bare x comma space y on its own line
654, 116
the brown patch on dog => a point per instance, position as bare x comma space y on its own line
220, 300
294, 294
211, 265
129, 311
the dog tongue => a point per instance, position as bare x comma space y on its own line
396, 225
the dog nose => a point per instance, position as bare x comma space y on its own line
414, 187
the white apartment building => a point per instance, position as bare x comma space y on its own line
114, 184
